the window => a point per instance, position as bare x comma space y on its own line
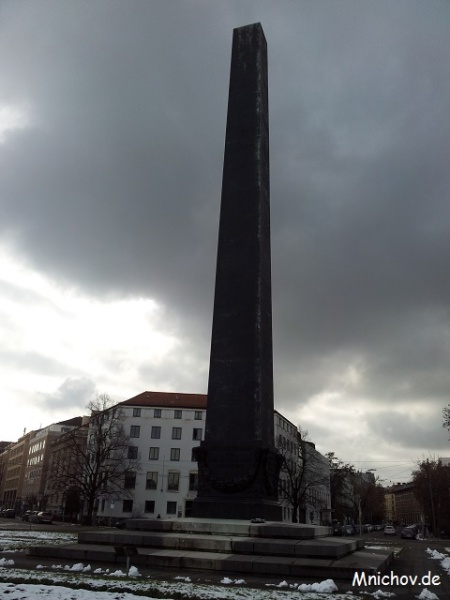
198, 415
171, 508
151, 482
149, 506
156, 433
174, 454
153, 453
177, 414
197, 434
130, 480
193, 482
193, 454
157, 413
135, 431
132, 451
176, 433
127, 506
136, 412
173, 481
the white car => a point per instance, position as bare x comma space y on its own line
389, 530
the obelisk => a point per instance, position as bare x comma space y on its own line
238, 463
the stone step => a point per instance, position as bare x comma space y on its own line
325, 547
341, 568
229, 527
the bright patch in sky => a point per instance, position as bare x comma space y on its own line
51, 333
12, 118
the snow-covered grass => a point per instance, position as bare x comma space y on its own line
16, 541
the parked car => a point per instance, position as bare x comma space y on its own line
389, 530
368, 527
44, 517
28, 515
409, 533
349, 530
8, 513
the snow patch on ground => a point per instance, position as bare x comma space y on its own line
444, 559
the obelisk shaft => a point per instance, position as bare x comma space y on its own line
238, 466
241, 372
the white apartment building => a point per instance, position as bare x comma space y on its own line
318, 497
286, 442
164, 428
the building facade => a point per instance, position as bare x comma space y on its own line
37, 463
164, 429
13, 461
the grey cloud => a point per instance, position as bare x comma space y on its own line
74, 394
116, 187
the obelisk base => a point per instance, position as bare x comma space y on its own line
236, 508
237, 481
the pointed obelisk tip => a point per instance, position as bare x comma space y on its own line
256, 26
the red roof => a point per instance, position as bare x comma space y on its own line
170, 399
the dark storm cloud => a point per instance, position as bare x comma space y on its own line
115, 187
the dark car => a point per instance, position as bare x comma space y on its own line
349, 530
121, 524
44, 517
8, 513
409, 533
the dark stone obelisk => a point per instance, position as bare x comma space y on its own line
238, 463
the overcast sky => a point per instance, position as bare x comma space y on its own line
112, 124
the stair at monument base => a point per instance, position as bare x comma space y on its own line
183, 544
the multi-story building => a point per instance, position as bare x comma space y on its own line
286, 442
163, 428
66, 452
407, 507
13, 466
317, 502
37, 463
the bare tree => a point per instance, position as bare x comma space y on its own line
301, 476
432, 490
340, 487
98, 460
446, 417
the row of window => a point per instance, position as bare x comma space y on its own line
155, 434
151, 481
149, 507
177, 414
153, 453
286, 426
